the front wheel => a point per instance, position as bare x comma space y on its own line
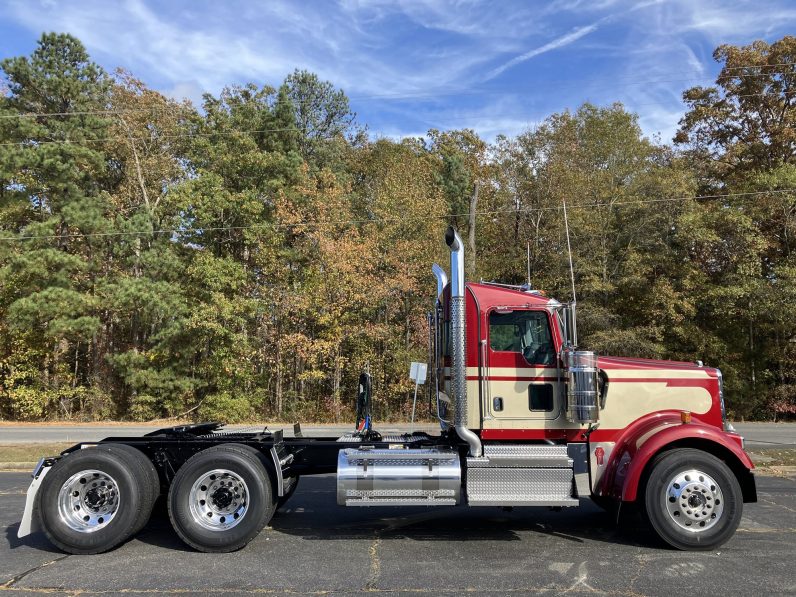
692, 499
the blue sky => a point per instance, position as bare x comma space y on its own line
495, 66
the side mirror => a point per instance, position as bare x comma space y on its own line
569, 319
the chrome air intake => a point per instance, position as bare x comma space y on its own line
582, 386
458, 336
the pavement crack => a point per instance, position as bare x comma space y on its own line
375, 562
773, 503
14, 580
642, 559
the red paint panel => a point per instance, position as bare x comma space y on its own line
627, 461
513, 360
532, 434
571, 435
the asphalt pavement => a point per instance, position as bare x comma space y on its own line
758, 435
314, 547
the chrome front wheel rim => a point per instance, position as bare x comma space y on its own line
219, 499
88, 501
693, 500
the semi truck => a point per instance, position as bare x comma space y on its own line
526, 419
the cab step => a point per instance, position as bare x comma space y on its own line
521, 475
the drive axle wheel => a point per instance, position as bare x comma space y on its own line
692, 499
221, 498
95, 498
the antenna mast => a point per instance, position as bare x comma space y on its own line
528, 248
572, 279
569, 251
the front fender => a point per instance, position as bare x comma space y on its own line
649, 435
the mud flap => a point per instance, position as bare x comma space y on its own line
30, 522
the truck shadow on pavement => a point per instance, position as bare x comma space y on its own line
312, 514
37, 540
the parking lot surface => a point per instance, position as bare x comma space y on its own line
314, 547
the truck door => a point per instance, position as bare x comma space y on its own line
522, 374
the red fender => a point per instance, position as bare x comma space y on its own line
649, 435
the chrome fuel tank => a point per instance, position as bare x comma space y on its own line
417, 477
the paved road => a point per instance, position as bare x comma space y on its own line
758, 435
315, 547
29, 434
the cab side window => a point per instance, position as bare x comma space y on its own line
525, 332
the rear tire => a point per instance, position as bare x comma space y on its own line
149, 477
94, 499
692, 499
221, 498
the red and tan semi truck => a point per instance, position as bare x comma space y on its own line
526, 419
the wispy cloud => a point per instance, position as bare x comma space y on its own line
559, 42
410, 65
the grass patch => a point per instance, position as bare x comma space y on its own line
773, 457
27, 453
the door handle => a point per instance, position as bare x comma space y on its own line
497, 403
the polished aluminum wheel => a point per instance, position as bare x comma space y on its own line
88, 501
693, 500
219, 499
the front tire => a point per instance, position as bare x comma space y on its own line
221, 498
692, 499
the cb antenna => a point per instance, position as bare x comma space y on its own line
569, 251
528, 248
571, 277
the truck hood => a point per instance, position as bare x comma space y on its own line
641, 364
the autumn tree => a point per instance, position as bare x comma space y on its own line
744, 123
53, 177
741, 135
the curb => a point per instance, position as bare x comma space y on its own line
17, 466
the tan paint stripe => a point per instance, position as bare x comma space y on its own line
615, 373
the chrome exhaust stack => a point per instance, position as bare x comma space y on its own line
458, 338
442, 279
436, 342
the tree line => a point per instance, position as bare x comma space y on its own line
247, 258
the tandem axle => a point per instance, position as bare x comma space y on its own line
413, 469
